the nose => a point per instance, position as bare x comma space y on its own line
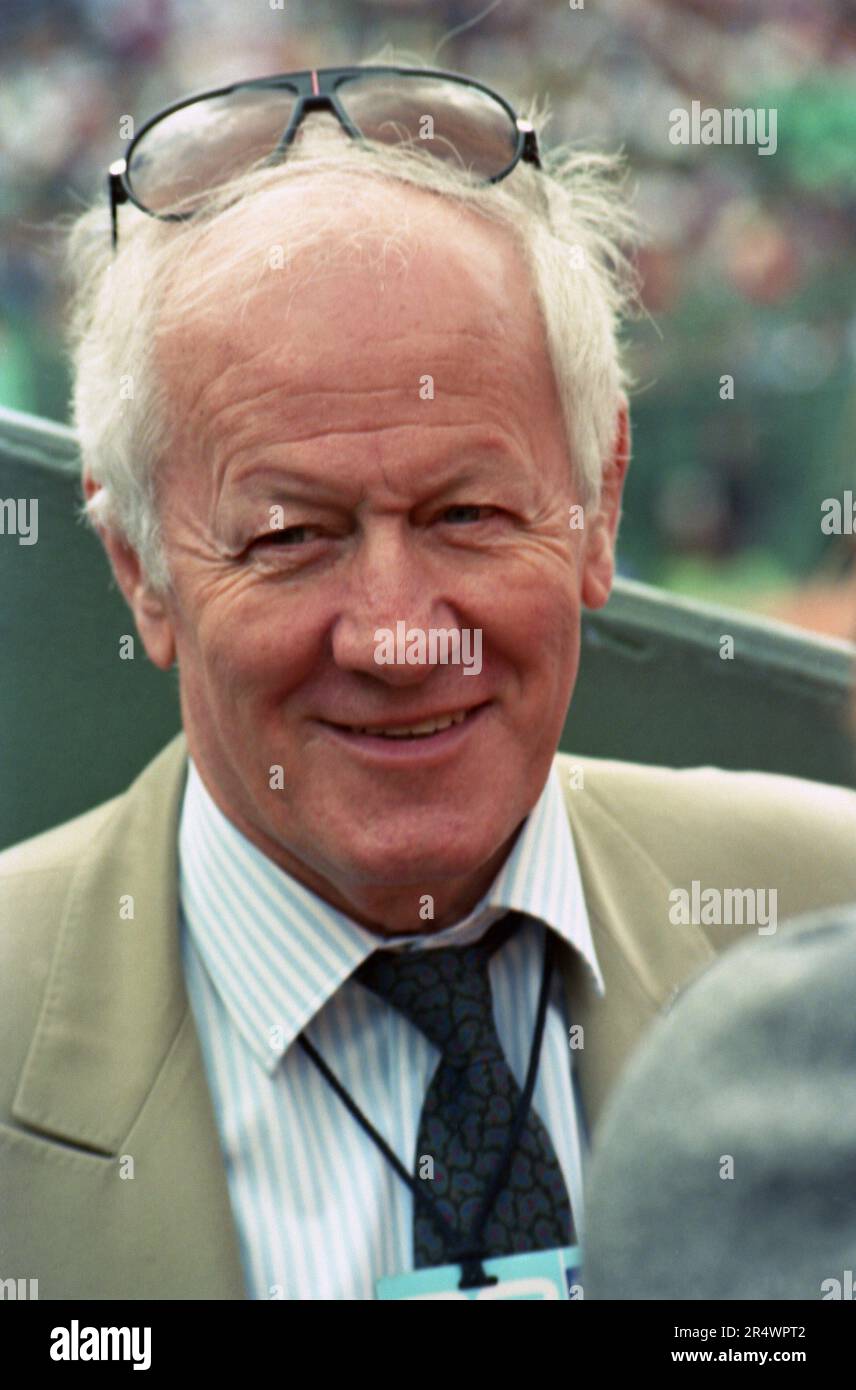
391, 581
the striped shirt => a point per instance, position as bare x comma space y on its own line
319, 1211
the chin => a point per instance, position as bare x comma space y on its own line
429, 861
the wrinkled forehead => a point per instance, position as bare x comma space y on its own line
329, 280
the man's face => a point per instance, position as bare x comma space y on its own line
440, 504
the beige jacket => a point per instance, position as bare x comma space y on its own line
99, 1057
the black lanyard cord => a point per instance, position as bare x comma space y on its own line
471, 1252
416, 1188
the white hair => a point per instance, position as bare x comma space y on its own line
569, 220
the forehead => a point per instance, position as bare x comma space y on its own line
392, 286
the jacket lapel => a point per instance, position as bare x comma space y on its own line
115, 1079
643, 962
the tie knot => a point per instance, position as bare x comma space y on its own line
445, 993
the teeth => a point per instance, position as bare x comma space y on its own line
430, 726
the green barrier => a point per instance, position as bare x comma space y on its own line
654, 688
77, 722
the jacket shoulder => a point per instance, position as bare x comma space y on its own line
756, 827
35, 880
58, 848
38, 881
694, 795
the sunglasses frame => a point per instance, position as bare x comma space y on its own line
316, 89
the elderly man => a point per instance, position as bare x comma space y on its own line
326, 1004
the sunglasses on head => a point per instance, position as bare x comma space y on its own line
196, 145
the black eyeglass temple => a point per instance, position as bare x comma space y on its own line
116, 190
531, 151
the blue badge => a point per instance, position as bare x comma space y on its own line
550, 1274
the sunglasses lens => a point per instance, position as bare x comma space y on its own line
205, 144
190, 152
450, 120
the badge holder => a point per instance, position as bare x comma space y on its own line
539, 1274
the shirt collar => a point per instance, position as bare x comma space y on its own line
276, 952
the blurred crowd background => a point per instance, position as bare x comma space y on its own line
748, 265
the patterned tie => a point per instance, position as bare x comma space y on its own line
469, 1109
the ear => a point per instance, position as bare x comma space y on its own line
602, 528
150, 611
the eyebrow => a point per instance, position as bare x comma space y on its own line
289, 481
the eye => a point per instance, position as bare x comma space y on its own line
464, 512
287, 536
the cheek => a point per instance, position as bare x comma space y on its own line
539, 622
260, 649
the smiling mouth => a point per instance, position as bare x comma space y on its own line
428, 728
